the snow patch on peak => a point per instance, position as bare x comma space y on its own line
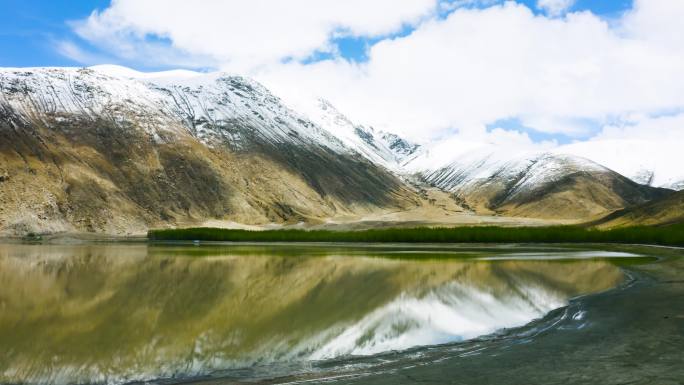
456, 165
382, 148
644, 176
81, 92
125, 72
443, 153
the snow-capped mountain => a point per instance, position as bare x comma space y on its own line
215, 107
110, 149
535, 183
526, 170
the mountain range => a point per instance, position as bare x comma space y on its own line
111, 150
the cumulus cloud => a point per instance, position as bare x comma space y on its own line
657, 23
668, 128
452, 75
649, 148
245, 34
555, 7
478, 66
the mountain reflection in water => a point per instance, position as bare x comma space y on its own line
116, 313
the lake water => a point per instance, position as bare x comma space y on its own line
112, 313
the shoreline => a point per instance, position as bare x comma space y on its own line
76, 239
667, 235
85, 238
623, 335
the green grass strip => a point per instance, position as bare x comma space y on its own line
667, 235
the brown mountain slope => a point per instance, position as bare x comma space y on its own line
580, 195
664, 211
105, 178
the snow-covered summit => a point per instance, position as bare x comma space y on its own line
383, 148
125, 72
476, 164
214, 107
648, 162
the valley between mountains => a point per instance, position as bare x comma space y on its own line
109, 150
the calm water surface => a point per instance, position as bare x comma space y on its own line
119, 313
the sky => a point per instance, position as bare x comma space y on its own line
537, 73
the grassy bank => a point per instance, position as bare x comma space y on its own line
667, 235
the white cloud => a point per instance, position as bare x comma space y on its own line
667, 128
245, 34
639, 144
479, 66
555, 7
557, 125
74, 52
457, 74
657, 23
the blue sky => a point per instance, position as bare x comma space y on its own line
30, 30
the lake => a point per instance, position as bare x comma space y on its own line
116, 313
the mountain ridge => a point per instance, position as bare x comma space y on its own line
109, 149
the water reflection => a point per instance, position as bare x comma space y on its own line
131, 312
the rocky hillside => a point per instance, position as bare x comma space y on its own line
82, 150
